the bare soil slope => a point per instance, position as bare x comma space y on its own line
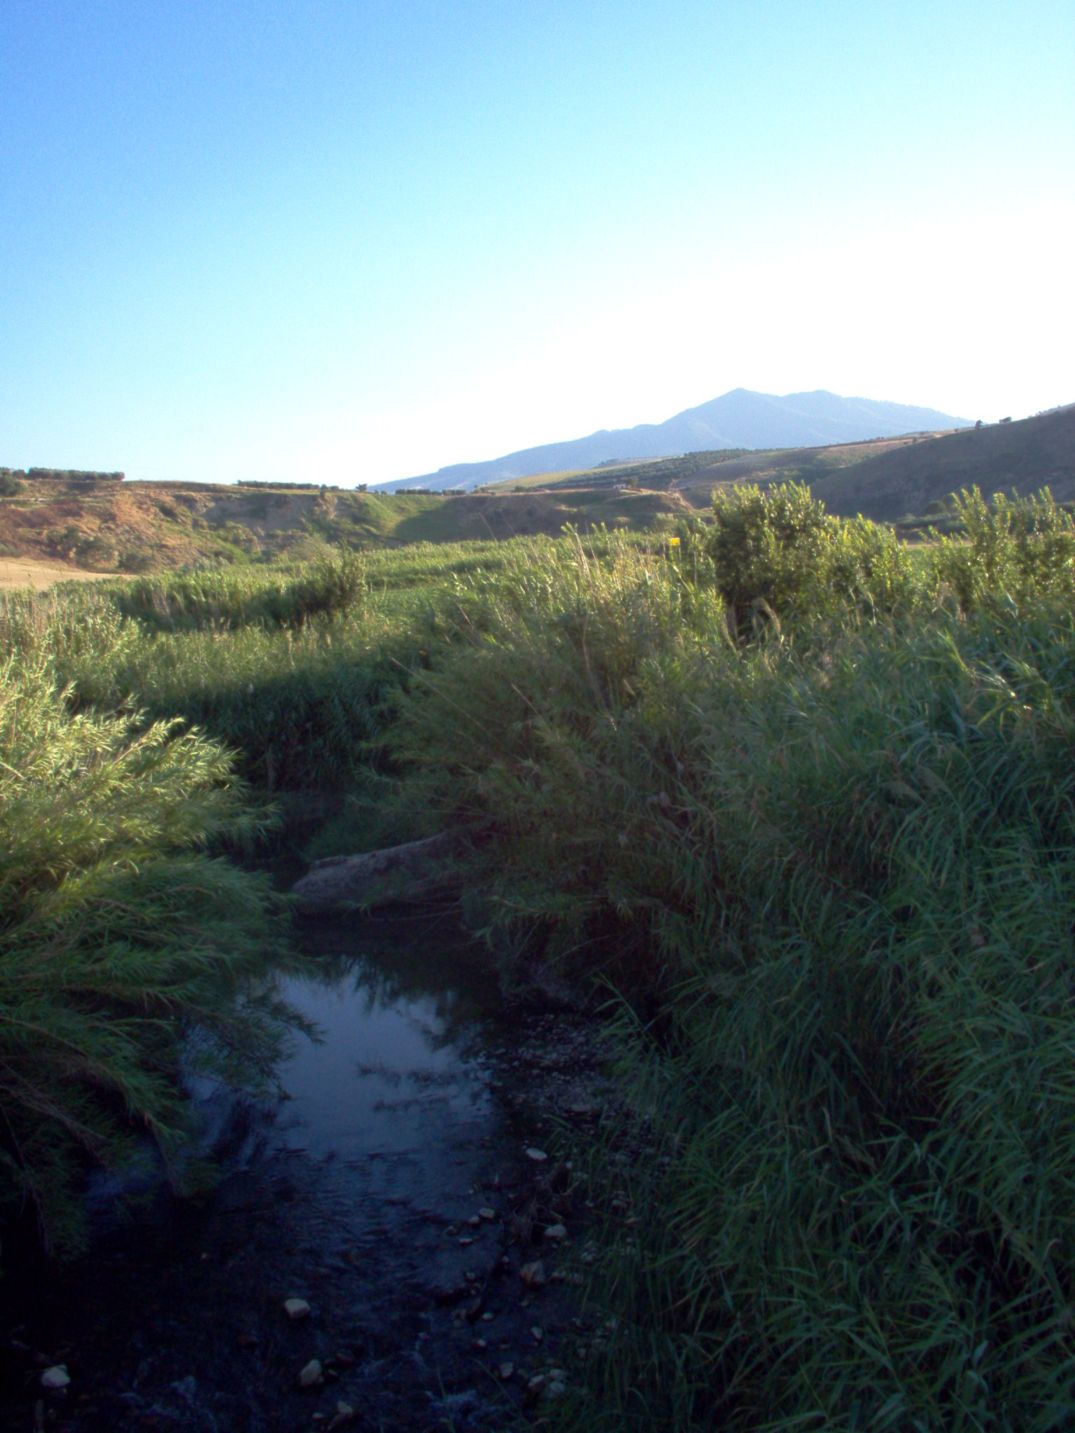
140, 527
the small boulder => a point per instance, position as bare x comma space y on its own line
533, 1274
312, 1374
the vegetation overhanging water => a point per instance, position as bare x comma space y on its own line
801, 796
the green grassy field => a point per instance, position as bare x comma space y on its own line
798, 799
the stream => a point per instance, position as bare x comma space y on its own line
405, 1188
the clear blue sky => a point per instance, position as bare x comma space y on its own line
353, 240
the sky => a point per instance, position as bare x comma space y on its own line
351, 241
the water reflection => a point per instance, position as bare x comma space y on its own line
398, 1006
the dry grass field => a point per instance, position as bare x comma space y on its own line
23, 572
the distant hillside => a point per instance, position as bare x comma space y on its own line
693, 476
99, 523
1024, 456
740, 419
105, 526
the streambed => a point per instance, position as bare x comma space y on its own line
396, 1190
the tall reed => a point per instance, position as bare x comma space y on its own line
831, 873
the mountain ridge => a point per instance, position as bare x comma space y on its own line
740, 418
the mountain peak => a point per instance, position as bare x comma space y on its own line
740, 418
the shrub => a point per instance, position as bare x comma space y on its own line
776, 551
1014, 549
118, 937
766, 546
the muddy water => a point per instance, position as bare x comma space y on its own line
391, 1189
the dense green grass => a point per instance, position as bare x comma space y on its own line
860, 1072
829, 866
801, 797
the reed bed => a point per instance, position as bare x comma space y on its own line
828, 864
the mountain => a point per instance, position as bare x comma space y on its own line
739, 419
1000, 457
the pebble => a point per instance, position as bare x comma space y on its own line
537, 1155
533, 1275
296, 1309
487, 1214
312, 1374
556, 1232
56, 1377
537, 1334
506, 1370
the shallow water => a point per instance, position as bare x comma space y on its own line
359, 1192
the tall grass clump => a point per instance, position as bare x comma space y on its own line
73, 624
120, 938
1008, 549
295, 707
830, 871
861, 1212
526, 696
231, 598
295, 703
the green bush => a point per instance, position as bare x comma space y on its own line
776, 552
767, 546
119, 936
1014, 549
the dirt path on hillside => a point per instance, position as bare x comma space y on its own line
23, 572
